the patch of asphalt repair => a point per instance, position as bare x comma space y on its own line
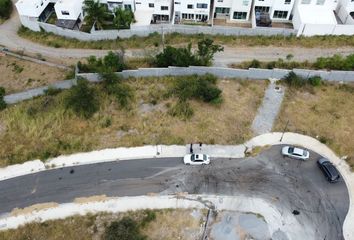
268, 112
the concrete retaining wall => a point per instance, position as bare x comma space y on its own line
164, 28
252, 73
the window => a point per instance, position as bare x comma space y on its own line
187, 16
177, 3
287, 2
280, 14
127, 6
65, 13
240, 15
137, 3
202, 5
245, 2
164, 8
305, 1
261, 9
320, 2
151, 5
190, 6
222, 10
223, 0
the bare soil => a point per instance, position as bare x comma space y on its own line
17, 75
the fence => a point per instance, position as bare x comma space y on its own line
252, 73
143, 31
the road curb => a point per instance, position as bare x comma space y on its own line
162, 151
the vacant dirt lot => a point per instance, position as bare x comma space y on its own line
42, 127
326, 113
167, 225
17, 74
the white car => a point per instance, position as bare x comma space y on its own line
295, 152
196, 159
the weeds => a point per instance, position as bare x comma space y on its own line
2, 101
154, 40
82, 99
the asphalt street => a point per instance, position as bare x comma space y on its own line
291, 185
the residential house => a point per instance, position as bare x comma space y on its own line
192, 10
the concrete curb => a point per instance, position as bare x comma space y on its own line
272, 216
161, 151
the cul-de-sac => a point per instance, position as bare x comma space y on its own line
176, 120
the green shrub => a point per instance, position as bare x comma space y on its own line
52, 91
293, 80
82, 99
315, 81
184, 57
112, 62
5, 8
197, 87
112, 83
123, 94
2, 101
255, 64
125, 229
181, 109
149, 217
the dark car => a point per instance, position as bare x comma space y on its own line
263, 19
329, 170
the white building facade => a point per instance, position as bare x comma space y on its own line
309, 17
192, 10
232, 10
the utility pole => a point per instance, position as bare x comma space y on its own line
286, 126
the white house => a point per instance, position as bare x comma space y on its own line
345, 11
326, 20
30, 11
154, 11
192, 10
232, 10
279, 10
69, 13
125, 4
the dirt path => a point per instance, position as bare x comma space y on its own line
10, 39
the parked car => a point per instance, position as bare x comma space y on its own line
329, 170
196, 159
295, 152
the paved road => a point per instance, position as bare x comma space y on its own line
286, 183
10, 39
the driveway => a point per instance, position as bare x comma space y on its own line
290, 185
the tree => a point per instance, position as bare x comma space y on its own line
82, 99
95, 13
2, 101
5, 8
114, 61
206, 51
181, 57
123, 18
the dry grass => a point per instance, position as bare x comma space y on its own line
169, 224
17, 75
42, 127
327, 113
174, 224
154, 40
